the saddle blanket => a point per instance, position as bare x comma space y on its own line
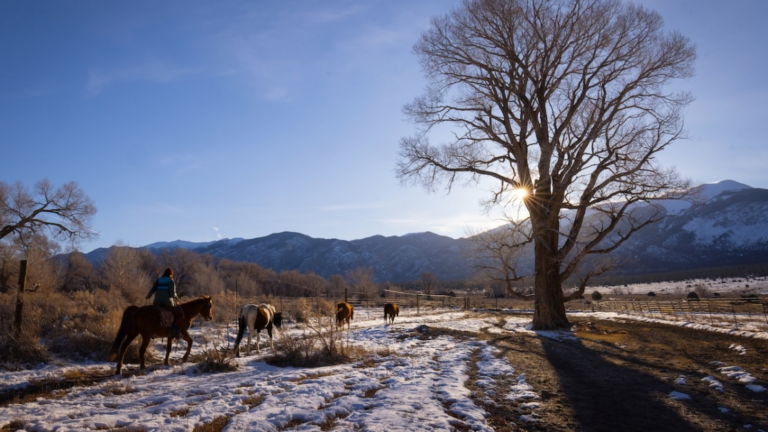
166, 317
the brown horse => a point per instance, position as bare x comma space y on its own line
344, 312
391, 311
145, 321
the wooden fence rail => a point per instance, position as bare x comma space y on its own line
716, 312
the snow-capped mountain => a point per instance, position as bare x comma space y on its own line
190, 245
724, 224
392, 258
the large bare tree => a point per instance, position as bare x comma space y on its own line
65, 213
564, 99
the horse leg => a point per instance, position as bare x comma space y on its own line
248, 347
168, 347
271, 344
188, 339
258, 341
123, 348
144, 344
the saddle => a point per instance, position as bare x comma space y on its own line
166, 316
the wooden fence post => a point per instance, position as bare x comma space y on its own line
418, 311
345, 296
20, 296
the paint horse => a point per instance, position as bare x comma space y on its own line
390, 312
344, 312
147, 321
259, 318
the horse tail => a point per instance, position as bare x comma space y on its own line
129, 316
351, 312
240, 330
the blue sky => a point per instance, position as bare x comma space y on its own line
205, 120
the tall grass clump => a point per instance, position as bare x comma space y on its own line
318, 343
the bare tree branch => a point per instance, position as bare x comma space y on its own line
562, 98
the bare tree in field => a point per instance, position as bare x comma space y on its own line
65, 213
361, 281
121, 271
495, 256
428, 282
182, 262
337, 285
80, 274
562, 99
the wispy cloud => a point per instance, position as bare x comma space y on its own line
167, 208
218, 234
186, 163
158, 72
332, 15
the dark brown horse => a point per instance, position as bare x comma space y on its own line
391, 311
344, 312
145, 321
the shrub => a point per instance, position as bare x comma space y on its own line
320, 343
651, 294
215, 357
596, 295
298, 311
701, 290
24, 349
692, 296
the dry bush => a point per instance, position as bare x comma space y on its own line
618, 291
24, 349
596, 295
319, 344
702, 290
323, 306
297, 310
226, 307
77, 325
215, 356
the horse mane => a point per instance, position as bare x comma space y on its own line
206, 298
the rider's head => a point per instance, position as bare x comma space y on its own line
168, 272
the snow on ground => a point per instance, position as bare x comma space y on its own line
413, 384
749, 333
419, 386
726, 287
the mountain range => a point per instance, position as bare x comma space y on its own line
727, 225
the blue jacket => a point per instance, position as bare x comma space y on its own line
164, 290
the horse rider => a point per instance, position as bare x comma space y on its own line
164, 290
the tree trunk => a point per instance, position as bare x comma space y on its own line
549, 309
20, 297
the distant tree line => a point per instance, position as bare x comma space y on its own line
129, 272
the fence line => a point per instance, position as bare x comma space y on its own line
738, 313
